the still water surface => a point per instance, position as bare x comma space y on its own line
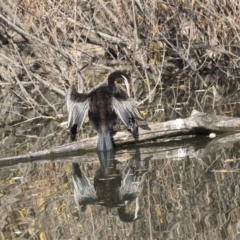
186, 189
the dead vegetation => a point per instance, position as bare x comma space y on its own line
174, 51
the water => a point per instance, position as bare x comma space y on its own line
186, 189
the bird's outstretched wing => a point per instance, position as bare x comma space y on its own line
77, 107
128, 113
126, 110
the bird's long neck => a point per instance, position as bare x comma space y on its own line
112, 87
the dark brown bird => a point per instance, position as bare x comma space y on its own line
103, 105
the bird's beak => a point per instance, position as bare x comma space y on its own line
127, 85
136, 209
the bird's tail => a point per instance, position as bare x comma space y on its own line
105, 141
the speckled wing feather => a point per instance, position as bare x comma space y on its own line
77, 107
126, 110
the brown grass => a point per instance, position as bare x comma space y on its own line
174, 51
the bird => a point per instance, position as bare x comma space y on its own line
103, 105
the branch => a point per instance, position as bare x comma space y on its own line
197, 123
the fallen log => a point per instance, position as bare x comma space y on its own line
197, 123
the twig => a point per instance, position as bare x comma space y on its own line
27, 95
32, 119
31, 37
32, 80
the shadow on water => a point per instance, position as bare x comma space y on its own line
186, 189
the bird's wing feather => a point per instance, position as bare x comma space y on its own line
77, 107
126, 110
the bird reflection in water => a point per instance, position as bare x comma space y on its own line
102, 106
112, 187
